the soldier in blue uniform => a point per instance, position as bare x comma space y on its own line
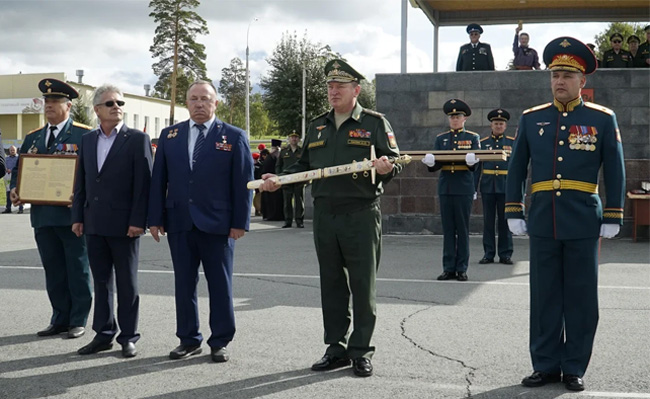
492, 178
455, 189
475, 56
566, 142
63, 254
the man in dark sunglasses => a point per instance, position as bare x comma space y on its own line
616, 57
475, 56
110, 207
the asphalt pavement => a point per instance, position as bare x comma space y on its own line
434, 339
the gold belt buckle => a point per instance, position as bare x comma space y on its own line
556, 184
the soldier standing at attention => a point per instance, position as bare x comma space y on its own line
475, 56
455, 189
293, 194
565, 142
644, 49
347, 217
616, 57
63, 254
492, 176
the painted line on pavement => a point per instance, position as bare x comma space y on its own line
381, 279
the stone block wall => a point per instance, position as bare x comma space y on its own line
413, 104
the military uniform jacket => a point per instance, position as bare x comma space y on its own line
492, 174
67, 141
643, 53
475, 59
566, 147
456, 178
326, 146
621, 60
287, 158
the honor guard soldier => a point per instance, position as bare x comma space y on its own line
566, 142
456, 189
293, 194
492, 184
475, 56
347, 216
616, 57
63, 254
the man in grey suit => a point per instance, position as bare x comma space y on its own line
110, 207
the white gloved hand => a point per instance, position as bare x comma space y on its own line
609, 230
517, 227
429, 160
470, 159
475, 195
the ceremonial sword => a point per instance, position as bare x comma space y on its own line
339, 170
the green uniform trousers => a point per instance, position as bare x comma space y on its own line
67, 276
348, 246
294, 196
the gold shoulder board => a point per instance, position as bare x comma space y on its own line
37, 129
537, 108
77, 124
599, 107
510, 137
474, 133
373, 113
485, 138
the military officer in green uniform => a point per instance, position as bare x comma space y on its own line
644, 49
347, 216
566, 143
616, 57
63, 254
456, 189
491, 180
293, 194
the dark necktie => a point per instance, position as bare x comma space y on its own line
198, 145
50, 140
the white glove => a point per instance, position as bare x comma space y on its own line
475, 196
429, 160
517, 226
609, 230
470, 159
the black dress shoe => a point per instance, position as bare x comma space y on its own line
506, 261
539, 378
7, 211
182, 351
52, 329
284, 226
19, 211
219, 354
573, 383
329, 362
128, 350
447, 276
461, 276
362, 367
485, 261
76, 332
300, 225
96, 345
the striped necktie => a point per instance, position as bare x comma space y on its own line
198, 145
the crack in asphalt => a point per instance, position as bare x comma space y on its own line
470, 370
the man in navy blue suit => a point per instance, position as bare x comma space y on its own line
110, 207
199, 197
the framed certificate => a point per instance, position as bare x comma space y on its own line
46, 179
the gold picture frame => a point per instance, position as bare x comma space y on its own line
45, 179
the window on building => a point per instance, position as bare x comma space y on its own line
136, 121
146, 124
166, 122
156, 122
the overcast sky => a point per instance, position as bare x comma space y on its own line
110, 40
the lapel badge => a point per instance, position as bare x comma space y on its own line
172, 134
32, 150
543, 123
541, 131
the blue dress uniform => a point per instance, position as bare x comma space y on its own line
566, 146
491, 177
63, 254
455, 190
475, 57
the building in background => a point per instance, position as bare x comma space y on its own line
21, 107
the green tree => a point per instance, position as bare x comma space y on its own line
367, 96
163, 87
175, 45
81, 111
232, 85
626, 29
283, 84
261, 124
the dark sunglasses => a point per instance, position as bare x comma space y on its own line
110, 104
616, 41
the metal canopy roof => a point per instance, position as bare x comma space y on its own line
486, 12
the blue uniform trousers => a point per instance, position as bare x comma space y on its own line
563, 303
67, 277
121, 255
454, 212
494, 206
215, 252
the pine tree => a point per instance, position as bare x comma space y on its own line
232, 85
